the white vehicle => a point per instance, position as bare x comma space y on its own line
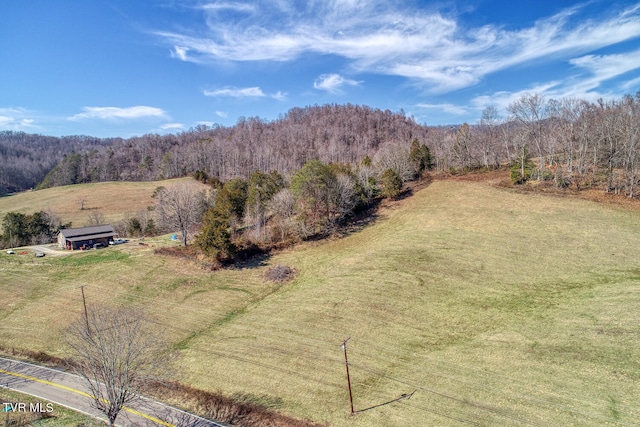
117, 241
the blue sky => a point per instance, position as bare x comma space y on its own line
124, 68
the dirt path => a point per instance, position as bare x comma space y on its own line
49, 250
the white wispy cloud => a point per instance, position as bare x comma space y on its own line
222, 114
17, 119
606, 67
279, 96
394, 38
227, 6
6, 121
247, 92
591, 73
111, 113
631, 85
180, 52
172, 126
333, 83
502, 99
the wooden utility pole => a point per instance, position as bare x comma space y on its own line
86, 314
346, 362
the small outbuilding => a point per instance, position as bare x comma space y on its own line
76, 238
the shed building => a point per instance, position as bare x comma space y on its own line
75, 238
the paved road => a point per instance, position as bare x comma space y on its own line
69, 390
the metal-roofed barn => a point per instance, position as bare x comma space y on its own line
75, 238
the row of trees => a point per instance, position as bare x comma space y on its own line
569, 142
268, 209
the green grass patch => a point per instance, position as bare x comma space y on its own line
93, 257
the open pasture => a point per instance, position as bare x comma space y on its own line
491, 307
75, 203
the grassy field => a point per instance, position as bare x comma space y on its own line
495, 308
111, 199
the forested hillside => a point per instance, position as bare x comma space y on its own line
566, 142
330, 133
25, 159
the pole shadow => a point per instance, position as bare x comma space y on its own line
402, 397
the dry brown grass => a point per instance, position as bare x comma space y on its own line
500, 179
111, 199
499, 308
238, 411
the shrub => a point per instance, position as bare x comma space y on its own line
280, 273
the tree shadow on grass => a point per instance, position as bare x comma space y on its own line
252, 257
359, 220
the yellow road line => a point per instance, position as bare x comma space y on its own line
82, 393
64, 387
149, 417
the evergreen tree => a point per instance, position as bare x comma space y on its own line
235, 193
311, 185
215, 235
391, 184
262, 187
420, 156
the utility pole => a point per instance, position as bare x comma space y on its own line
346, 362
86, 314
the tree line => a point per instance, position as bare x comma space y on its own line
566, 142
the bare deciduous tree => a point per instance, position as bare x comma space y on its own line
116, 352
95, 218
366, 179
283, 207
343, 196
530, 112
397, 158
488, 141
180, 206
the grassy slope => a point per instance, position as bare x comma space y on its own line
498, 308
112, 199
